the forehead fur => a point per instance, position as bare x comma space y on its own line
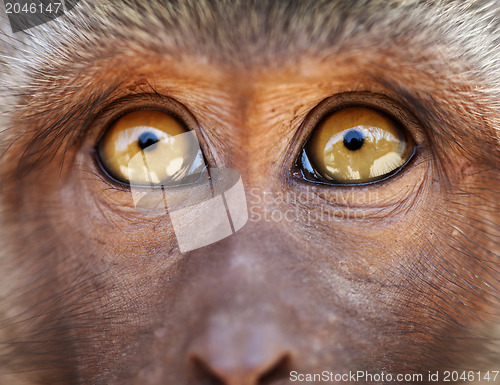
269, 30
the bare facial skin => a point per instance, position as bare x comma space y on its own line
397, 276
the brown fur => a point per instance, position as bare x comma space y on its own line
96, 293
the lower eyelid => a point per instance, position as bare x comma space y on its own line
367, 202
416, 158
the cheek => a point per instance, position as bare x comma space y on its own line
92, 270
104, 218
88, 236
368, 230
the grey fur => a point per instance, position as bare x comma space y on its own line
460, 40
467, 32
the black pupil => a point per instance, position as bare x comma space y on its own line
147, 139
353, 140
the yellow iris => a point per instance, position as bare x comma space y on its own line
150, 148
357, 145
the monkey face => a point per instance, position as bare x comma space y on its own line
370, 174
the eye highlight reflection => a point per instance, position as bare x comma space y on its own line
355, 145
150, 148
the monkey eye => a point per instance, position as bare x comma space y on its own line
355, 145
150, 148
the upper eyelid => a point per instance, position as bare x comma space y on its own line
119, 107
377, 101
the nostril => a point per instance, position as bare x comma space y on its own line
266, 374
203, 373
279, 371
240, 352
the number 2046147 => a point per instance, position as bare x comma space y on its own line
17, 8
470, 376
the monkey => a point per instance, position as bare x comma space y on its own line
366, 137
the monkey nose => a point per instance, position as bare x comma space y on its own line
233, 353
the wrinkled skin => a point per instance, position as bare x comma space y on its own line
403, 278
